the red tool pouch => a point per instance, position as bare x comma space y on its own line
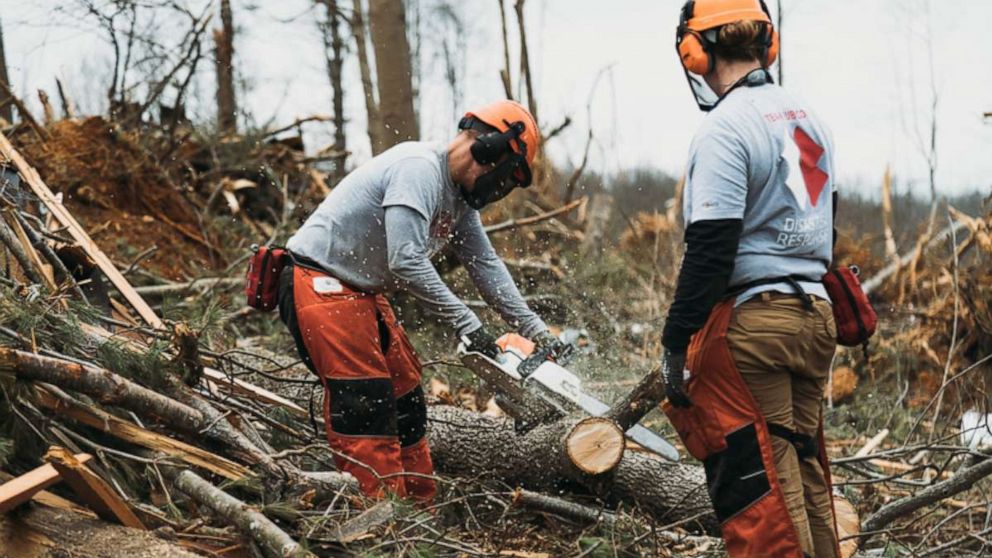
262, 280
856, 319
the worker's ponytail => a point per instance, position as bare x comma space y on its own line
742, 40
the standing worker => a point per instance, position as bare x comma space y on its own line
376, 231
750, 334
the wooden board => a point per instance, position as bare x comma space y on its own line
20, 489
135, 434
91, 488
76, 231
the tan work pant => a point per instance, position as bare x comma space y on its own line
783, 352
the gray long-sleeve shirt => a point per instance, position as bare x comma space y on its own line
381, 225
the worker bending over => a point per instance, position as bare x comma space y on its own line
377, 231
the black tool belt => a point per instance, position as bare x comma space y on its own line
792, 280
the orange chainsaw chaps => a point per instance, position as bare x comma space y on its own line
725, 430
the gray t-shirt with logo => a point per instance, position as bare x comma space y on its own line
379, 227
763, 157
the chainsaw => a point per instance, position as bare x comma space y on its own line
533, 389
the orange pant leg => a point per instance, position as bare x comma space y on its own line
340, 330
404, 367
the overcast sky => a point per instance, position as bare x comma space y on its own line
863, 65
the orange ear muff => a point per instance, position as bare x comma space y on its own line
772, 50
693, 53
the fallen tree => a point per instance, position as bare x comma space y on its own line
194, 416
467, 443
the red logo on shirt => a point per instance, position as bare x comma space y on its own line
810, 153
441, 226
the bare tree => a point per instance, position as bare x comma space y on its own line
334, 49
227, 108
504, 74
415, 36
525, 59
6, 110
365, 67
778, 26
922, 125
387, 19
446, 27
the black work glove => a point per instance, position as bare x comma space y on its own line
673, 371
555, 348
481, 341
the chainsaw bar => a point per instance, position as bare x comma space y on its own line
557, 392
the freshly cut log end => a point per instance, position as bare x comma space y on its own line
595, 445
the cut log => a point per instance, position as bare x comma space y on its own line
273, 540
20, 489
594, 445
92, 489
467, 443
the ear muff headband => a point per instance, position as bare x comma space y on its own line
693, 49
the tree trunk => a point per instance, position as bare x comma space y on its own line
891, 253
371, 103
331, 34
227, 108
525, 59
6, 106
393, 69
778, 29
467, 443
504, 74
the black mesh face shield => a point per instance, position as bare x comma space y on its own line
498, 183
489, 147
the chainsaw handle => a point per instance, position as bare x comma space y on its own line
530, 364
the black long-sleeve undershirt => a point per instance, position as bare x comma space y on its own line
711, 248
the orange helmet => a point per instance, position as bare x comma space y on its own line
501, 115
702, 15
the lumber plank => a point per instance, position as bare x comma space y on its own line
137, 435
91, 488
20, 489
117, 279
46, 498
